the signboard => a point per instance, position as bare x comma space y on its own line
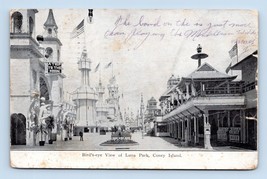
53, 67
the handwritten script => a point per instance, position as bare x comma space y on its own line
142, 29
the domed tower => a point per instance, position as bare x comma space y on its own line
85, 99
151, 106
113, 100
172, 81
101, 106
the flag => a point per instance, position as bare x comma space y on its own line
108, 65
228, 68
78, 30
233, 51
96, 68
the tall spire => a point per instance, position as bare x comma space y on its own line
142, 107
50, 21
84, 66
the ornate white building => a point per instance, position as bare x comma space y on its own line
85, 98
113, 101
30, 80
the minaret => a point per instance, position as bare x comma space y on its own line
137, 118
85, 98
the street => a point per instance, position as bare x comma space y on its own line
92, 142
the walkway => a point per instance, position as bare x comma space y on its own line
92, 142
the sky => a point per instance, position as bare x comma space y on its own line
147, 46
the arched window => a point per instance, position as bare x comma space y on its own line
48, 52
31, 26
49, 31
16, 22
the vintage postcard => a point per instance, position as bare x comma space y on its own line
133, 89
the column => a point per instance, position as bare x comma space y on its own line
189, 128
182, 130
187, 90
175, 130
195, 129
207, 131
178, 103
228, 119
178, 129
243, 125
186, 135
193, 90
228, 87
155, 128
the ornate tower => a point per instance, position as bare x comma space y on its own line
52, 48
24, 70
113, 100
85, 98
101, 106
142, 111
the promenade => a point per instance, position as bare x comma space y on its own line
92, 142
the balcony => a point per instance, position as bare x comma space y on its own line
219, 91
219, 98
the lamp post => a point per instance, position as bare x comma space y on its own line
199, 55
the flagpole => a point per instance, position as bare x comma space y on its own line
236, 52
112, 68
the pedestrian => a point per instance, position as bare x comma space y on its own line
81, 135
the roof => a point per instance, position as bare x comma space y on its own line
206, 71
152, 99
166, 93
172, 77
246, 57
50, 21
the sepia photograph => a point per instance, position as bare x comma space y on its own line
134, 88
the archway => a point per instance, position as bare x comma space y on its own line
16, 22
18, 129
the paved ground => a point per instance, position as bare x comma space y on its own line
92, 141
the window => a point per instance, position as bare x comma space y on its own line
48, 52
49, 31
31, 26
16, 22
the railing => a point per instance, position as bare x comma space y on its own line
234, 89
222, 90
249, 86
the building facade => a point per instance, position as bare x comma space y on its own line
208, 108
31, 83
